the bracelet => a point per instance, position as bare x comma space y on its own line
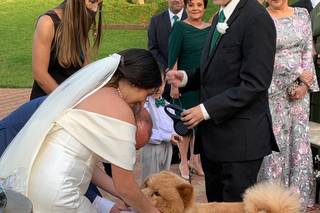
303, 83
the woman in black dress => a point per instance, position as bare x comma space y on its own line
61, 43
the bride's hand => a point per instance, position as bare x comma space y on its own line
119, 206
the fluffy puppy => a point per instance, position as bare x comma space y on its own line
172, 194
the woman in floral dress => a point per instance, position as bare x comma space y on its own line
293, 79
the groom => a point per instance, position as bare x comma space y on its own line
234, 122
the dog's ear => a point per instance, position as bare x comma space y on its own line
145, 183
186, 193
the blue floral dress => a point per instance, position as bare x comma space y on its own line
293, 164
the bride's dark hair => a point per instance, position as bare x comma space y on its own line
139, 67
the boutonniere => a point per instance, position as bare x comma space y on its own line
222, 27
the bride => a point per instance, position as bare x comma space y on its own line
87, 118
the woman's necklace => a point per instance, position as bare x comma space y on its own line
120, 93
199, 25
122, 97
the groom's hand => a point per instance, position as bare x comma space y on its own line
192, 117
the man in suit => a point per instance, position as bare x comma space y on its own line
160, 28
234, 121
13, 123
158, 39
158, 33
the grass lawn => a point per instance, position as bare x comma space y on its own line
18, 22
15, 59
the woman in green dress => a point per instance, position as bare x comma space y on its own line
185, 47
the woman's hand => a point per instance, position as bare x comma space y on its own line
174, 77
174, 92
307, 77
299, 92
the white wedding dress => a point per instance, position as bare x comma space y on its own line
62, 170
52, 158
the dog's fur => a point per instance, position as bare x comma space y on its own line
172, 194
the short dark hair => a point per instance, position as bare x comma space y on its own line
140, 68
205, 2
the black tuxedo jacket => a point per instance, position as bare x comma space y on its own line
304, 4
234, 81
158, 36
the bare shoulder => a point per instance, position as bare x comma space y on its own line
45, 28
45, 21
106, 101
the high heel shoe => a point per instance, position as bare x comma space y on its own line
197, 169
184, 174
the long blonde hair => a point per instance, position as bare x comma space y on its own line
72, 35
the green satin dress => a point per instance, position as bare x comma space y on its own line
185, 47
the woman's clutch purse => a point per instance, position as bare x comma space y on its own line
291, 88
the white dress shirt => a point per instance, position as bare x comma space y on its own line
162, 129
171, 14
314, 3
227, 10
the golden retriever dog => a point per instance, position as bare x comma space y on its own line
172, 194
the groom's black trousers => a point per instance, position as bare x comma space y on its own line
227, 181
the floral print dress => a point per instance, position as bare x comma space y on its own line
293, 164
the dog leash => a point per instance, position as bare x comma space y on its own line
191, 144
191, 148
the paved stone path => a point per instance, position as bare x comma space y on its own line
10, 99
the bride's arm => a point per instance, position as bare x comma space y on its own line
123, 180
103, 181
129, 190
